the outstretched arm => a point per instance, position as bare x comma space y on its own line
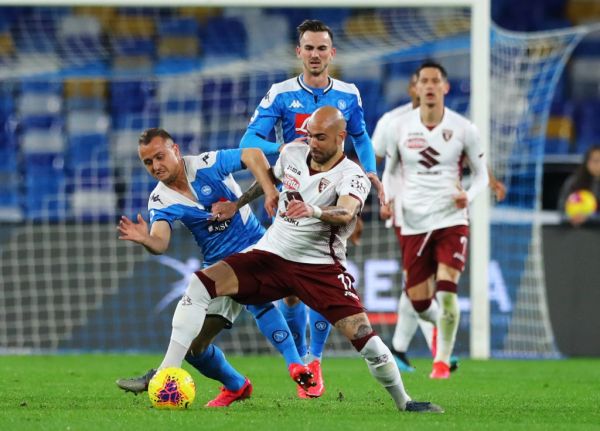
345, 209
226, 210
156, 241
257, 163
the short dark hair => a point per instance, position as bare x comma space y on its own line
151, 133
432, 64
313, 25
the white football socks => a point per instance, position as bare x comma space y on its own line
432, 313
447, 325
187, 322
384, 369
406, 325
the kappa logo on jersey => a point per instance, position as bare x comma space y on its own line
296, 104
358, 183
205, 158
300, 121
156, 198
290, 182
323, 184
429, 160
447, 134
185, 300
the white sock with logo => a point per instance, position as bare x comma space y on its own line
187, 322
384, 369
447, 325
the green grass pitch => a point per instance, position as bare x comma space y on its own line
77, 392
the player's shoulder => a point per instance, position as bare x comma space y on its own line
295, 149
403, 117
457, 119
280, 88
160, 197
350, 168
345, 87
201, 161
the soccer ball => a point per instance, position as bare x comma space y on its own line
171, 388
581, 203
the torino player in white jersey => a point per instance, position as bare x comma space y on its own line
302, 253
430, 144
391, 211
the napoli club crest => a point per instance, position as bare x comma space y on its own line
447, 134
341, 104
206, 190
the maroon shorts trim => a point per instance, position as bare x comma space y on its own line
264, 277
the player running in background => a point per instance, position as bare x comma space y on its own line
302, 253
285, 109
188, 187
408, 319
429, 146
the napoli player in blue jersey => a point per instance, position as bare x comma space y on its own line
188, 187
285, 109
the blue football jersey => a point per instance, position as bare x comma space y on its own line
210, 179
288, 104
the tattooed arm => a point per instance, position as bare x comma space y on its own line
226, 210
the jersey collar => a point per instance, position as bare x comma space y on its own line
312, 90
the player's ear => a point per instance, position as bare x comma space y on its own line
298, 49
446, 87
333, 51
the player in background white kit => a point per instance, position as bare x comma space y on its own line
391, 212
430, 144
407, 318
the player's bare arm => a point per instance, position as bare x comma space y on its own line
156, 241
346, 208
227, 209
257, 163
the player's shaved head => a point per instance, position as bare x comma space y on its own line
326, 130
328, 116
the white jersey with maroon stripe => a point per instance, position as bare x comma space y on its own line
431, 168
310, 240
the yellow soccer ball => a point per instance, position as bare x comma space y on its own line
172, 388
581, 203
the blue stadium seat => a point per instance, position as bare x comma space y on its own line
178, 26
224, 37
10, 197
87, 150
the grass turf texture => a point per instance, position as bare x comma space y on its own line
69, 392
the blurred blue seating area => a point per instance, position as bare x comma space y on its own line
92, 78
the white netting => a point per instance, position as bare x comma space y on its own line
84, 84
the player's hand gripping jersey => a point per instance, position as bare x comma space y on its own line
431, 167
310, 240
287, 106
209, 177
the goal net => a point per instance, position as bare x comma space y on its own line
80, 84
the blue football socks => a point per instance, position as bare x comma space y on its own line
319, 331
296, 319
213, 364
271, 323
